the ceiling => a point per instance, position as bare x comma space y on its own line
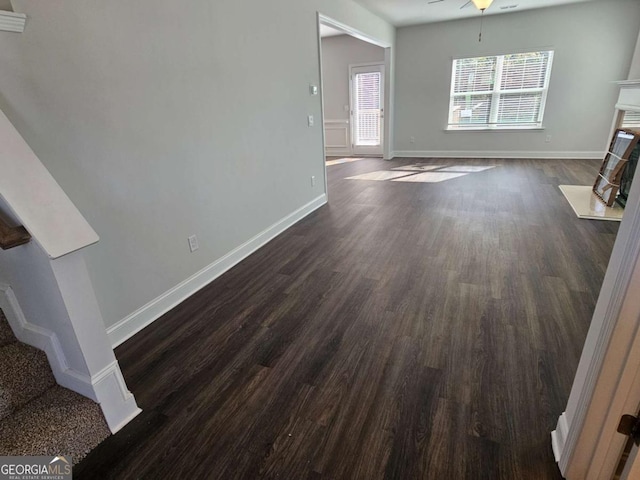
412, 12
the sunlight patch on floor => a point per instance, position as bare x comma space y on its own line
378, 176
430, 173
430, 177
418, 168
466, 168
339, 161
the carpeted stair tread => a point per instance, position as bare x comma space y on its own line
24, 374
60, 422
6, 334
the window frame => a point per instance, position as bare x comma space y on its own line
495, 94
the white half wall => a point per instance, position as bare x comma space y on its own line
50, 305
162, 120
593, 44
36, 200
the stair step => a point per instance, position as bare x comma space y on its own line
59, 422
24, 374
6, 334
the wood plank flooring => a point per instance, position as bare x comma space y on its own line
404, 331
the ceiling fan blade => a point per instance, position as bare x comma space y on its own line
435, 1
465, 5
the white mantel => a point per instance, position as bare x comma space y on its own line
629, 98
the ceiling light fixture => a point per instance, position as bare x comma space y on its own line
482, 5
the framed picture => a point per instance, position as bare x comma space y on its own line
614, 165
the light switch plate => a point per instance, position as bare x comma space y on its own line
193, 243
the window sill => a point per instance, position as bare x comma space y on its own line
494, 130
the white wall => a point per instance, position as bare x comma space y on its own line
593, 45
161, 120
634, 71
337, 54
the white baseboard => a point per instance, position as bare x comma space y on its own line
497, 154
144, 316
559, 436
118, 404
107, 387
336, 152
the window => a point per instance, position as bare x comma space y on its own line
631, 119
504, 91
367, 91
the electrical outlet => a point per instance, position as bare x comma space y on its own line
193, 243
310, 120
412, 139
313, 180
548, 139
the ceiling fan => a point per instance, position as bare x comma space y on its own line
481, 5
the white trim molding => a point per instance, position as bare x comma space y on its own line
629, 98
118, 403
12, 22
106, 387
496, 154
144, 316
343, 27
37, 337
559, 436
341, 148
628, 83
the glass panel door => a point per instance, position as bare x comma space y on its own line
367, 109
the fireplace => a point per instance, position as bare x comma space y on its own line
628, 107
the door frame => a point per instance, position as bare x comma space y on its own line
607, 382
354, 148
389, 64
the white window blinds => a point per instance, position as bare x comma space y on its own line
367, 108
504, 91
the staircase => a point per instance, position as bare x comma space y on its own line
37, 416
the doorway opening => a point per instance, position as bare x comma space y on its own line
367, 108
354, 71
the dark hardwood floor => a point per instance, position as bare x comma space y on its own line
404, 331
